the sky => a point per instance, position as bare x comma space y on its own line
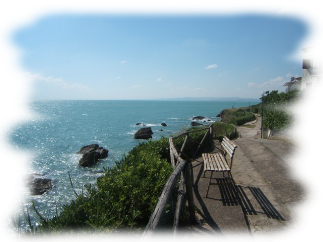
124, 56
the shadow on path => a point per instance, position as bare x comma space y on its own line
205, 214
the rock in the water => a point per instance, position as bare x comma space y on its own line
198, 118
144, 133
103, 153
91, 155
88, 148
196, 124
89, 159
163, 124
39, 186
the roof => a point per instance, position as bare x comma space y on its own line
313, 46
293, 81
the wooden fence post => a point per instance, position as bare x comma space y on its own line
189, 191
211, 135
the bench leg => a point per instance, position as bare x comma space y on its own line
207, 192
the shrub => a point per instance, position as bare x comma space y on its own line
298, 114
222, 129
123, 198
237, 116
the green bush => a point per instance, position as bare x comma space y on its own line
193, 142
237, 116
124, 197
246, 118
223, 129
298, 114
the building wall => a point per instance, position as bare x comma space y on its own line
312, 69
294, 87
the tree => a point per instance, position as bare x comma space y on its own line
319, 10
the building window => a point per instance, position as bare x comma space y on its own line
309, 85
307, 64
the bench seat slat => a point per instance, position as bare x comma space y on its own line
218, 162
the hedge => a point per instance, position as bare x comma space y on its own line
298, 114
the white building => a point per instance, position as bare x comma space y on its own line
312, 68
295, 83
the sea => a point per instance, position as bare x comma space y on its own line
60, 128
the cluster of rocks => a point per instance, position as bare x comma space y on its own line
146, 132
38, 185
91, 154
197, 119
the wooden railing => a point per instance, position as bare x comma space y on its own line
183, 168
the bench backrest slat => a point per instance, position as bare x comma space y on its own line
229, 147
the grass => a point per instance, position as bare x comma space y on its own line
311, 147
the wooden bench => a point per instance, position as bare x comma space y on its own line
217, 162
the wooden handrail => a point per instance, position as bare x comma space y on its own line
180, 166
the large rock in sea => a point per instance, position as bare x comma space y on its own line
92, 154
37, 186
144, 133
195, 124
198, 118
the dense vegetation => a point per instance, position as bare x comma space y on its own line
125, 196
298, 113
237, 116
121, 199
222, 129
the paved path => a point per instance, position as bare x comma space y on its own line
266, 190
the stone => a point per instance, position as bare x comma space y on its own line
89, 159
198, 118
144, 133
39, 186
91, 155
88, 148
195, 124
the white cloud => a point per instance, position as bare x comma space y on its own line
123, 62
287, 9
256, 69
272, 83
277, 79
211, 66
159, 79
54, 80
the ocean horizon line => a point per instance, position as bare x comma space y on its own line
224, 99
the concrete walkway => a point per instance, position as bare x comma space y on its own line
265, 190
